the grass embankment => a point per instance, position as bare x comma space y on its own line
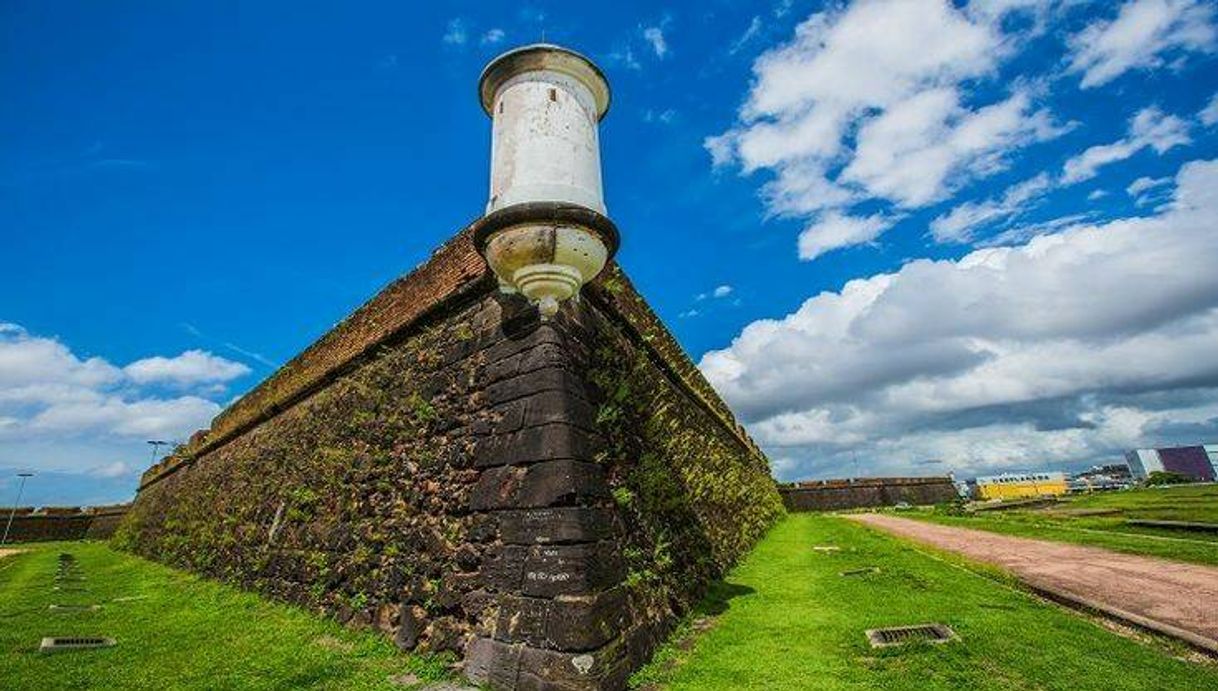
175, 630
790, 621
1069, 522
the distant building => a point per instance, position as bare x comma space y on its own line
1021, 485
1102, 477
1197, 462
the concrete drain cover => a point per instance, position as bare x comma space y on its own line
58, 645
64, 609
901, 635
860, 572
826, 548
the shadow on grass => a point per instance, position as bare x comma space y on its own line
718, 598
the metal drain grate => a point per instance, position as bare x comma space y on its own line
55, 645
901, 635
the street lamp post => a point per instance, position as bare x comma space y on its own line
12, 514
156, 446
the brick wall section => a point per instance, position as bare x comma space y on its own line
447, 469
63, 523
831, 495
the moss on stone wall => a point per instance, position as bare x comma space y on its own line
694, 493
353, 501
532, 495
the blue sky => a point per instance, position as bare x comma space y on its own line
976, 233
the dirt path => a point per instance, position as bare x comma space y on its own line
5, 551
1184, 596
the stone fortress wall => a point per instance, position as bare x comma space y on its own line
63, 523
545, 499
832, 495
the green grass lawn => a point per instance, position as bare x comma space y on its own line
176, 631
790, 621
1198, 503
1195, 503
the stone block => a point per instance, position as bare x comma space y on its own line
492, 663
551, 483
551, 570
547, 442
549, 379
556, 525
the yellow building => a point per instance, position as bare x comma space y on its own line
1021, 485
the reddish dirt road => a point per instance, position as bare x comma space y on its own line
1183, 596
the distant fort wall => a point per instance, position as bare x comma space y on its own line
832, 495
63, 523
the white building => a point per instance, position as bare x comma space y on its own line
1143, 462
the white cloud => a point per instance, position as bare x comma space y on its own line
625, 57
26, 360
834, 230
1209, 114
722, 291
1097, 194
654, 36
873, 102
492, 37
962, 222
61, 411
1142, 33
749, 34
1062, 349
1144, 183
191, 367
112, 470
911, 153
455, 33
665, 117
1150, 128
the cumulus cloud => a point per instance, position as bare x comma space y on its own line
839, 117
963, 221
1209, 114
720, 291
1065, 349
914, 151
834, 230
1142, 35
1150, 128
62, 411
191, 367
1145, 183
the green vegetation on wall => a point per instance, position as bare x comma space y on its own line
351, 502
695, 495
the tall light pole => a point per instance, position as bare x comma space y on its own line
13, 513
156, 446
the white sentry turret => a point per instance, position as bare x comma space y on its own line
545, 232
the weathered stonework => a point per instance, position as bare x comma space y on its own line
62, 523
542, 499
831, 495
